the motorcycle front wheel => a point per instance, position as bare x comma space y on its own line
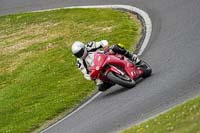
122, 80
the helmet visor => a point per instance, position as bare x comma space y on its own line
80, 53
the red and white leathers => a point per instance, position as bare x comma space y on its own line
87, 60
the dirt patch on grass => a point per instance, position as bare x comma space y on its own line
101, 28
24, 44
13, 63
28, 36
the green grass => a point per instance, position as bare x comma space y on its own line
38, 76
184, 118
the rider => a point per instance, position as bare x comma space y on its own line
85, 57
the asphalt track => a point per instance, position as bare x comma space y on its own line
173, 52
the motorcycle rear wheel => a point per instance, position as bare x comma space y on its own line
146, 68
124, 81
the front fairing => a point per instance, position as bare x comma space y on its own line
95, 70
102, 60
124, 64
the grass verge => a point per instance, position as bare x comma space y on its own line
38, 75
184, 118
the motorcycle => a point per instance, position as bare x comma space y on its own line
117, 69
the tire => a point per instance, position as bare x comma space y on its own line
146, 68
124, 81
104, 86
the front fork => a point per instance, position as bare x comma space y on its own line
114, 69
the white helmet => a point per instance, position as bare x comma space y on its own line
79, 50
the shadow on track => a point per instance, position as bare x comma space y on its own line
115, 90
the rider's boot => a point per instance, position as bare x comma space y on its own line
121, 50
133, 57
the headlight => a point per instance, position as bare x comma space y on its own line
97, 68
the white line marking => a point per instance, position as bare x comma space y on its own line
158, 113
148, 25
142, 13
69, 115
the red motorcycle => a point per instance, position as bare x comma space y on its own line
117, 69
